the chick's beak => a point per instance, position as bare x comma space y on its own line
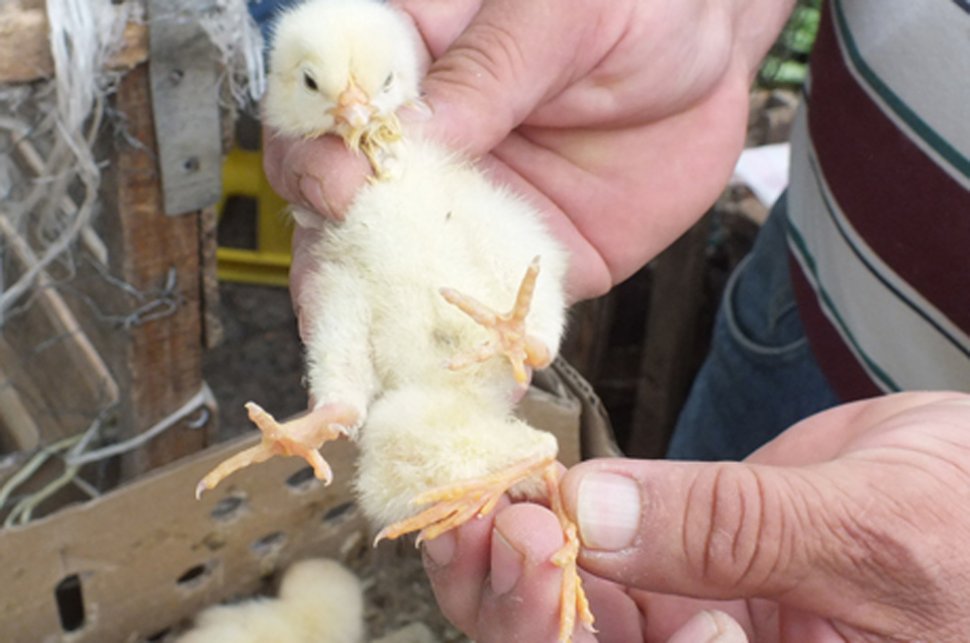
353, 107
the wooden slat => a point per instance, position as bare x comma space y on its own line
25, 45
160, 358
671, 353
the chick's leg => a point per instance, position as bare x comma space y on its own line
572, 597
453, 505
302, 436
508, 330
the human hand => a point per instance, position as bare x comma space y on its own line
620, 120
849, 526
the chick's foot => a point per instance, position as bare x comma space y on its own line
572, 598
301, 436
509, 337
453, 505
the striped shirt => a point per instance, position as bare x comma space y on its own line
879, 202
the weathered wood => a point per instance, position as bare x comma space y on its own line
161, 357
670, 353
18, 424
25, 54
587, 339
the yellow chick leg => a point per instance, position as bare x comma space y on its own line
301, 436
572, 597
457, 503
509, 336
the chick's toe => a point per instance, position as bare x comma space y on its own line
509, 336
301, 436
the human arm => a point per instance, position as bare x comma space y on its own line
620, 120
849, 526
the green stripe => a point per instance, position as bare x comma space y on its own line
801, 248
918, 125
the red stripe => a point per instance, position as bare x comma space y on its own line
841, 368
911, 213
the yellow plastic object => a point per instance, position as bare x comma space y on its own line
269, 263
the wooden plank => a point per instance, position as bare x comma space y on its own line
671, 353
160, 357
18, 425
25, 45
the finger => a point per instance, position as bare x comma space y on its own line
440, 22
457, 564
710, 627
301, 269
824, 435
829, 538
511, 56
521, 600
713, 530
318, 174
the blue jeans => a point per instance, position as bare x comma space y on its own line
760, 376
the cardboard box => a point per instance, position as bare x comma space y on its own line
138, 561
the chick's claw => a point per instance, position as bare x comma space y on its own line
301, 436
509, 335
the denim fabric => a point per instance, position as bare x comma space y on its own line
760, 376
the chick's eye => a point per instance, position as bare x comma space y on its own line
388, 81
309, 83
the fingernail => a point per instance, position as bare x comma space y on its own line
312, 193
704, 628
506, 564
442, 549
608, 509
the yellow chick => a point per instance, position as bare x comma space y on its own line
320, 601
309, 96
408, 355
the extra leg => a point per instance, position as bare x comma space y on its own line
302, 436
572, 598
453, 505
456, 504
509, 335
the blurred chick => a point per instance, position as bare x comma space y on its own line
408, 355
320, 601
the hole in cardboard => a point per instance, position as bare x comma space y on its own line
70, 603
301, 480
228, 508
269, 544
192, 576
340, 511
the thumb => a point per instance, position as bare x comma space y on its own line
511, 56
729, 530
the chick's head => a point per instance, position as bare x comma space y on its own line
341, 66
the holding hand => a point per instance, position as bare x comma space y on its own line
621, 120
850, 526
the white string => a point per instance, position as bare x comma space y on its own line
203, 398
236, 35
